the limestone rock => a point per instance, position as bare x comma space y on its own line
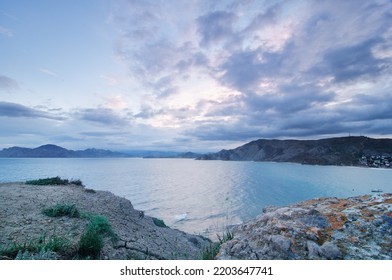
325, 228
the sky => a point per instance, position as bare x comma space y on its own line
192, 75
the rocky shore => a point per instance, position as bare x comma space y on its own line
327, 228
324, 228
137, 236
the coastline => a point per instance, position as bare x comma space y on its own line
321, 228
138, 236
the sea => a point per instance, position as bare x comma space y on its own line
203, 197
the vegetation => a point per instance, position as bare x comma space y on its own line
32, 249
211, 251
54, 181
88, 247
60, 210
91, 242
159, 222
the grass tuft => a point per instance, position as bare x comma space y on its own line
159, 222
36, 246
48, 181
54, 181
60, 210
212, 251
90, 244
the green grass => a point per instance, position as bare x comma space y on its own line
211, 251
91, 242
54, 181
60, 210
159, 222
42, 244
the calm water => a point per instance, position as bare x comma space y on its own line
203, 196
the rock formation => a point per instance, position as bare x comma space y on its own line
325, 228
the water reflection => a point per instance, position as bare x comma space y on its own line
203, 196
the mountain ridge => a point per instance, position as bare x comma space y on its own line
328, 151
54, 151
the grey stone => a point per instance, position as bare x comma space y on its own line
313, 249
281, 242
330, 251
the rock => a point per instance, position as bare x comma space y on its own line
313, 249
281, 243
330, 251
324, 228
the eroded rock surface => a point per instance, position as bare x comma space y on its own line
325, 228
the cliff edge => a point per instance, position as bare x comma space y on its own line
326, 228
26, 230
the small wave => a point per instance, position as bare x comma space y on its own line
181, 217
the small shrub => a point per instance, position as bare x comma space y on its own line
159, 222
60, 210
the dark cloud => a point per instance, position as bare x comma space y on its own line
353, 62
288, 99
215, 27
222, 131
370, 108
14, 110
197, 60
289, 70
7, 83
264, 19
101, 116
164, 87
148, 112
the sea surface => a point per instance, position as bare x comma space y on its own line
203, 197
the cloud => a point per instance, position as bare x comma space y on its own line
102, 116
207, 72
353, 62
47, 72
215, 27
6, 32
14, 110
7, 83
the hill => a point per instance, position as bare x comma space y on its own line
329, 151
53, 151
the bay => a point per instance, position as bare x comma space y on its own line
203, 197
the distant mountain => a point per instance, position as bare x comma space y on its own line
330, 151
53, 151
172, 155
